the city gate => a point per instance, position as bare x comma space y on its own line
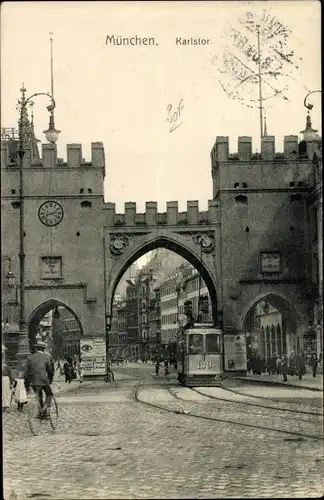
247, 246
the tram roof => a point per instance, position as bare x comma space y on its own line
203, 326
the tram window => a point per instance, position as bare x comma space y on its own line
212, 343
196, 343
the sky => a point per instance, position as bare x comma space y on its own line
120, 94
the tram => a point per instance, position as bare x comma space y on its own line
200, 356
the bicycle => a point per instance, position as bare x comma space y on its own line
37, 416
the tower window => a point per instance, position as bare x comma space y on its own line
81, 191
15, 204
245, 185
89, 191
13, 191
241, 200
296, 197
86, 204
236, 185
291, 184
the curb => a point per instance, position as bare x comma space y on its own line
70, 388
281, 384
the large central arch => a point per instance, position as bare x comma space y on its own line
198, 261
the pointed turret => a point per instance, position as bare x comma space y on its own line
309, 134
311, 139
27, 129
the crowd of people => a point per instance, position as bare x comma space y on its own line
71, 368
37, 374
293, 364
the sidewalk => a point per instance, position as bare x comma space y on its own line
307, 382
66, 387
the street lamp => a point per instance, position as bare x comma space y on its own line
266, 307
108, 328
56, 313
310, 106
24, 136
10, 283
10, 277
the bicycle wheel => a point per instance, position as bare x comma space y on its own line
53, 413
34, 421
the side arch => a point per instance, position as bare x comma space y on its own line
175, 246
40, 311
279, 302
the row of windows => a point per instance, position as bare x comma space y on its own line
170, 303
168, 290
291, 184
193, 285
169, 319
243, 200
13, 191
199, 343
71, 324
83, 204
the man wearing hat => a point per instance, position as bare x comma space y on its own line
39, 374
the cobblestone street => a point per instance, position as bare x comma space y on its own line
108, 445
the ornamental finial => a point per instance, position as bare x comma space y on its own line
23, 91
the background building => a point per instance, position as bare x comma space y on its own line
66, 334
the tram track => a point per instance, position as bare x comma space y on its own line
191, 413
254, 396
247, 403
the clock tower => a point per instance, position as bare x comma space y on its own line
63, 231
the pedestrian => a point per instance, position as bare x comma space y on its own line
20, 391
7, 382
278, 365
314, 363
81, 370
166, 368
67, 372
284, 367
301, 365
110, 376
157, 367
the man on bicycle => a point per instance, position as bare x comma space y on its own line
39, 373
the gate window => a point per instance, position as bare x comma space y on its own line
196, 343
86, 204
241, 200
212, 343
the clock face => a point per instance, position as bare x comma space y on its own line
50, 213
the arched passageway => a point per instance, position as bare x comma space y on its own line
58, 324
198, 261
271, 328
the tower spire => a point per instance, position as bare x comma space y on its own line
52, 72
51, 133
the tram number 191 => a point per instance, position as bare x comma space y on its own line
202, 365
